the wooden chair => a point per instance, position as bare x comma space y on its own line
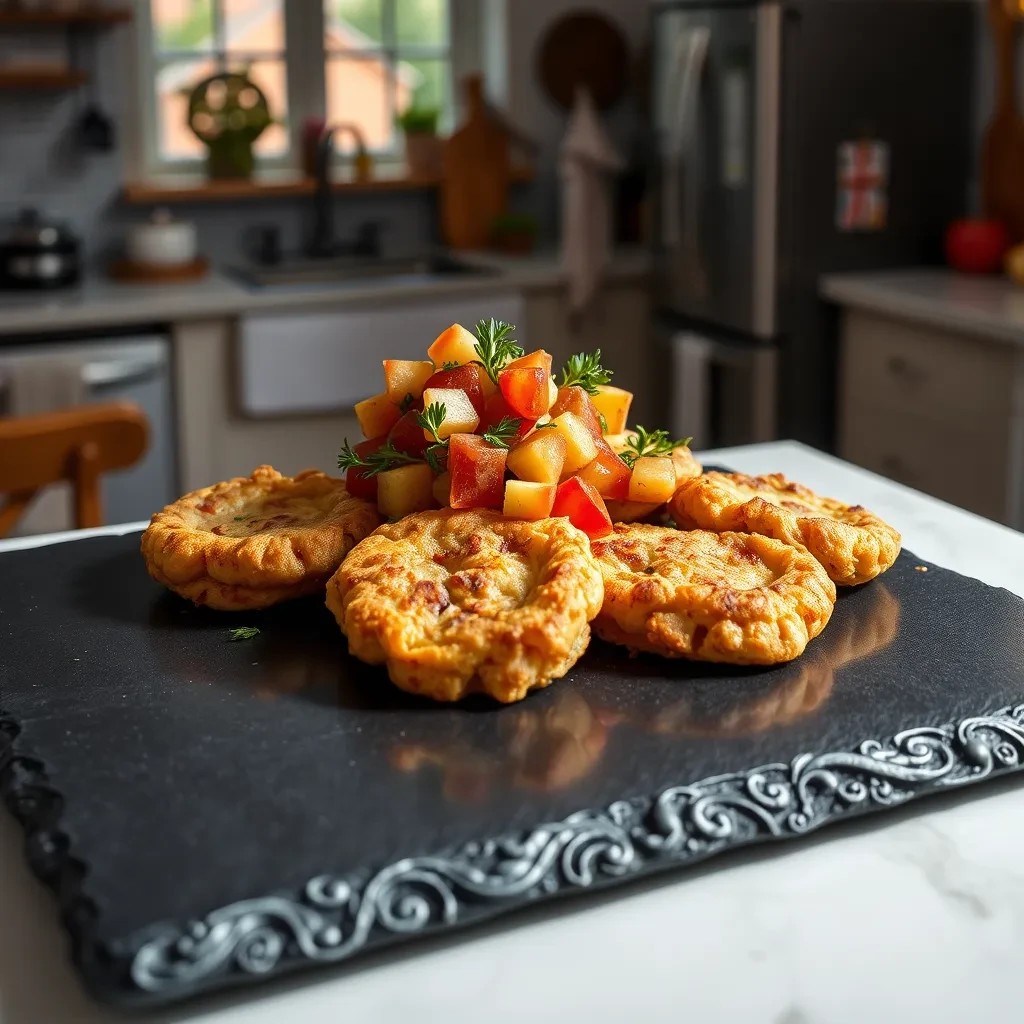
75, 445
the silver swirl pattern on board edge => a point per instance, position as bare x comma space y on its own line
333, 918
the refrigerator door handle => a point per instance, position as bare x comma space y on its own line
681, 148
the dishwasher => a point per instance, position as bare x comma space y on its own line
37, 377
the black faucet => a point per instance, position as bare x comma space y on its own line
322, 242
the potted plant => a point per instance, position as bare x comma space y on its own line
514, 233
422, 146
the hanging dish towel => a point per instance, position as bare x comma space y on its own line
589, 162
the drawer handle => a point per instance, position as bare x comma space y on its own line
893, 466
899, 367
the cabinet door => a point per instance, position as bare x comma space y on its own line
298, 363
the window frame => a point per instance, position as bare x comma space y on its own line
305, 61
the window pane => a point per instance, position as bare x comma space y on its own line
183, 24
253, 26
422, 21
353, 24
359, 92
424, 83
174, 81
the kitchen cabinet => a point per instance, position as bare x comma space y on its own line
941, 410
618, 322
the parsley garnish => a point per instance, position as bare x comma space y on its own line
542, 426
432, 417
452, 364
406, 404
244, 633
650, 442
585, 369
495, 345
385, 457
502, 432
604, 422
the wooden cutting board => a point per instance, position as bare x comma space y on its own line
475, 174
1003, 151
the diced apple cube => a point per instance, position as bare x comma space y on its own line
579, 442
442, 488
477, 472
552, 392
583, 506
487, 386
527, 499
653, 479
404, 490
613, 404
575, 400
453, 345
377, 415
619, 442
608, 474
459, 418
525, 388
406, 377
631, 511
540, 457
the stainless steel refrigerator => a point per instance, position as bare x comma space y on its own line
792, 139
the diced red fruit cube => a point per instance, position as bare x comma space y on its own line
575, 400
608, 474
407, 435
583, 506
477, 471
525, 388
460, 378
357, 483
536, 358
496, 409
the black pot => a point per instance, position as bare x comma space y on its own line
38, 253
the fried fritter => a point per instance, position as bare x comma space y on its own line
456, 602
730, 597
853, 544
254, 541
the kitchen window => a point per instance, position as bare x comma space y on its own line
360, 62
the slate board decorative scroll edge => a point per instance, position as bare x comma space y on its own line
334, 918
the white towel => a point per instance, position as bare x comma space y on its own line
588, 165
38, 384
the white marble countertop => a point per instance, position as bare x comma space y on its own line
984, 306
907, 916
102, 303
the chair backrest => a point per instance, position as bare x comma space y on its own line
75, 445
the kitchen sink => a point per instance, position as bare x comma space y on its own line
350, 270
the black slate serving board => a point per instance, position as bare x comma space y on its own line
211, 812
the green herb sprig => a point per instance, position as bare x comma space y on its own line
244, 633
503, 432
431, 418
385, 457
585, 369
495, 346
646, 442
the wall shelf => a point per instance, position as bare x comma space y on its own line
38, 78
83, 16
204, 191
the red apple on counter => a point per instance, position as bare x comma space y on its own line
977, 245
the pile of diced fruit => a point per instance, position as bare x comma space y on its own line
480, 424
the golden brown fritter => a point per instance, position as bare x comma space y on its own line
253, 541
729, 597
853, 544
456, 602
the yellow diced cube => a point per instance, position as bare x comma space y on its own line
459, 417
653, 479
579, 444
528, 499
405, 490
